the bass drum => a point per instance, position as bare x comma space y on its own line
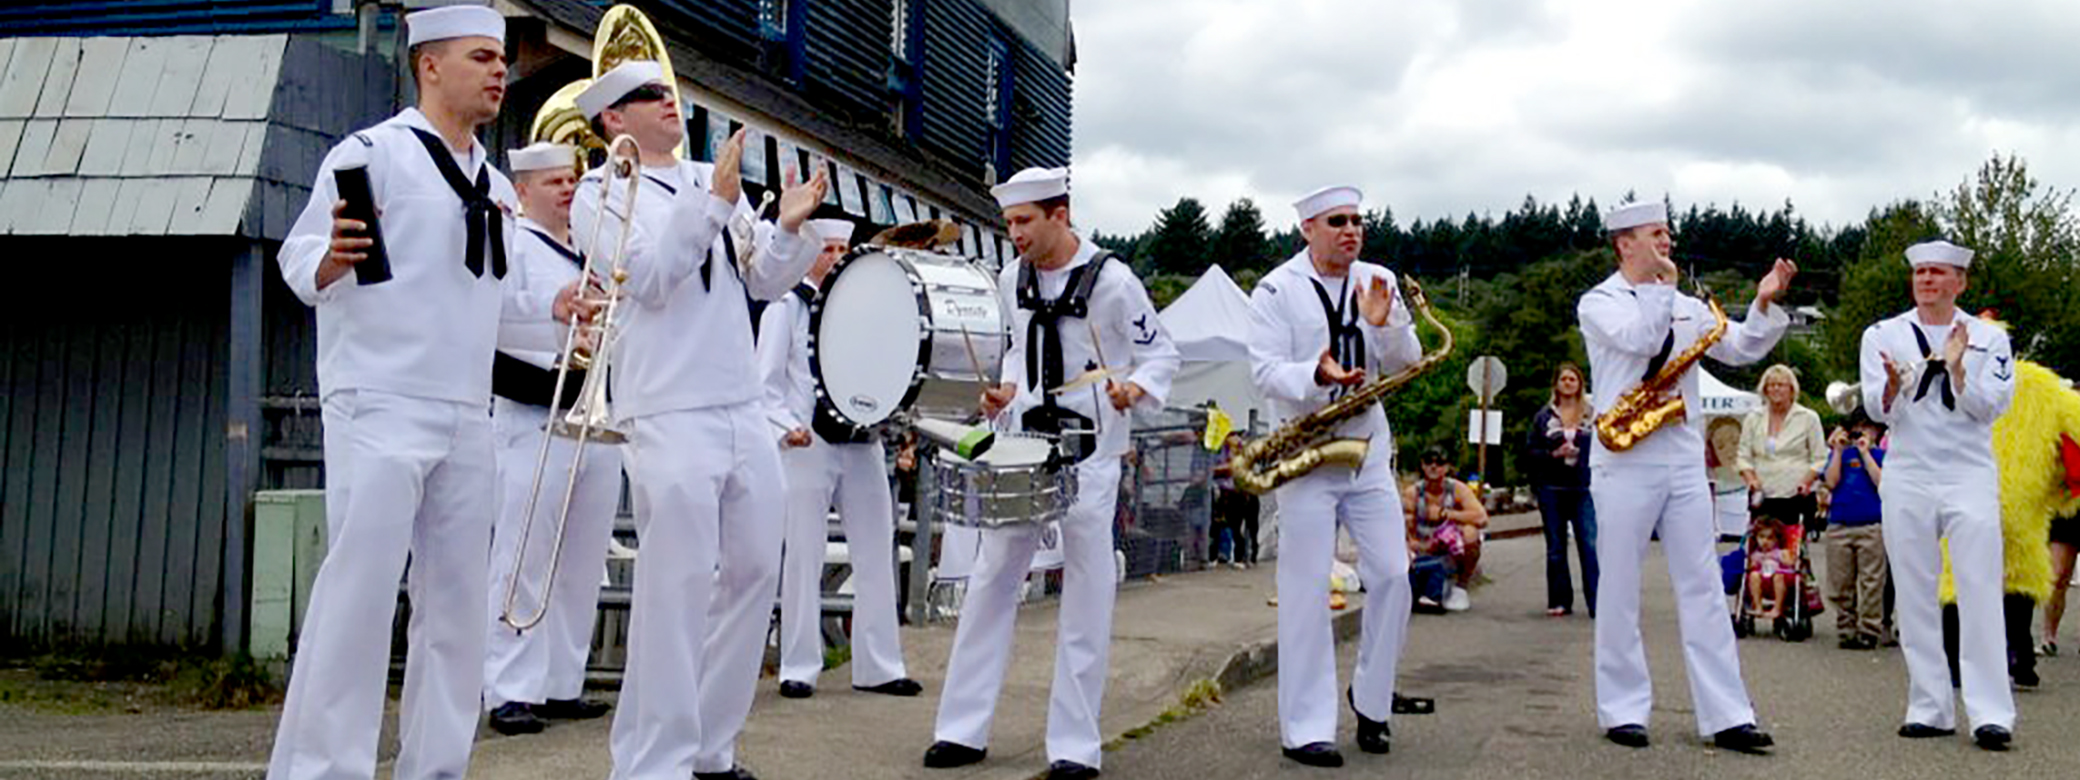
893, 329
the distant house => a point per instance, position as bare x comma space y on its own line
153, 155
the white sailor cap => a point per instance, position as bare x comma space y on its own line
455, 21
831, 230
1030, 185
542, 156
1314, 203
1939, 252
1632, 215
617, 83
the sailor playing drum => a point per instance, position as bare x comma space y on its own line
823, 461
1063, 292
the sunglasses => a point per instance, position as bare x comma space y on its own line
1429, 462
1338, 221
644, 94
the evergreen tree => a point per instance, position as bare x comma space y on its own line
1240, 243
1181, 242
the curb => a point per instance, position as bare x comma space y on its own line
1258, 660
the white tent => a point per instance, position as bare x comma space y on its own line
1722, 400
1208, 323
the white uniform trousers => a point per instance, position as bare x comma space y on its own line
1083, 629
708, 562
1368, 502
546, 661
1918, 514
858, 476
1632, 501
404, 477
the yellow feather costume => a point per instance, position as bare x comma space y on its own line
2033, 478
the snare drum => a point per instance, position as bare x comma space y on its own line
1020, 481
886, 334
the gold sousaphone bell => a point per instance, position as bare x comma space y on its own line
624, 35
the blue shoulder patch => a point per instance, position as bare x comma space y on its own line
1267, 287
365, 140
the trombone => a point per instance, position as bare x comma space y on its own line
588, 420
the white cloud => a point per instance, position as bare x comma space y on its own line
1438, 108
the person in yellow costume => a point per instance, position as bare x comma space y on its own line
2035, 487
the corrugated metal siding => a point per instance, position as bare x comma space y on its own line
112, 486
954, 66
1040, 110
168, 17
725, 29
847, 46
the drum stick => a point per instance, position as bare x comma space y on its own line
973, 360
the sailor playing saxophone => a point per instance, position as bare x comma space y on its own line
1318, 323
1637, 326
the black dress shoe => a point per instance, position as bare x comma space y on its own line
1321, 754
796, 689
735, 773
1992, 738
1372, 734
1070, 770
1924, 731
571, 709
515, 717
901, 686
947, 755
1744, 738
2026, 677
1630, 735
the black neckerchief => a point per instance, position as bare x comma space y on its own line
1346, 340
1668, 347
1934, 374
1043, 334
480, 215
577, 258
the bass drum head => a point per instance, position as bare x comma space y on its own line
864, 334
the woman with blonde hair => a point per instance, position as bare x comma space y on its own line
1783, 451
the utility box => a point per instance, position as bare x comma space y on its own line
288, 544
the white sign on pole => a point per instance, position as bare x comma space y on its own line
1474, 432
1486, 377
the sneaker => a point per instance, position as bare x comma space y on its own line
1457, 600
1238, 566
2048, 649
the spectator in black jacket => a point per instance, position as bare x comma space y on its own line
1559, 465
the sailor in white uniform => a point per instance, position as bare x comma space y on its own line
535, 675
1940, 377
827, 458
404, 374
1062, 292
1631, 324
703, 465
1321, 324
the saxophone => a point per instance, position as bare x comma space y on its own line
1657, 401
1305, 443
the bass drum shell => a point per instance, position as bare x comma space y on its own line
892, 329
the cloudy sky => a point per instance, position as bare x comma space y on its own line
1441, 107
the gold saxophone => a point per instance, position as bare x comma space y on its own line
1657, 401
1306, 443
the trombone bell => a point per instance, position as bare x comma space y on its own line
589, 419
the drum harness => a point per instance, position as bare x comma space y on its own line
1044, 351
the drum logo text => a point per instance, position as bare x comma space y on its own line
864, 404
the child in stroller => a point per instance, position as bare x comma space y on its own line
1775, 587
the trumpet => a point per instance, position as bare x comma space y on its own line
1844, 397
590, 348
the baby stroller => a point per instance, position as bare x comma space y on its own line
1775, 582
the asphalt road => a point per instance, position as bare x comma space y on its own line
1515, 700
